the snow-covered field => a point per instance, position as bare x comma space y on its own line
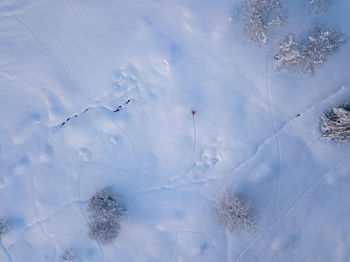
66, 66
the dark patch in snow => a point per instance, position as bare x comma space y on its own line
119, 108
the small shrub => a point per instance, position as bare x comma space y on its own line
303, 57
67, 255
234, 211
104, 212
259, 16
336, 123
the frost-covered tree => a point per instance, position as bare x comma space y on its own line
67, 255
290, 54
318, 6
234, 211
321, 43
336, 123
259, 16
304, 56
104, 213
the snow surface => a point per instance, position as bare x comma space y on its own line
59, 58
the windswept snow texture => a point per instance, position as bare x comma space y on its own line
255, 130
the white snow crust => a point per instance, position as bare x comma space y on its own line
255, 129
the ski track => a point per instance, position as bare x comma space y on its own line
131, 140
37, 212
140, 173
245, 161
185, 168
173, 186
242, 163
102, 254
276, 136
228, 251
175, 246
6, 251
79, 196
195, 134
48, 51
290, 208
38, 215
39, 221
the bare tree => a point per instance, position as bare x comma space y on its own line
336, 123
259, 16
315, 50
104, 212
234, 210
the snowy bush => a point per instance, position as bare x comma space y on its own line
321, 43
259, 16
303, 57
104, 212
336, 123
67, 255
290, 54
318, 6
3, 226
234, 211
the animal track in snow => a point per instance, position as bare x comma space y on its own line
85, 154
196, 246
125, 88
119, 108
208, 158
211, 155
22, 166
125, 83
